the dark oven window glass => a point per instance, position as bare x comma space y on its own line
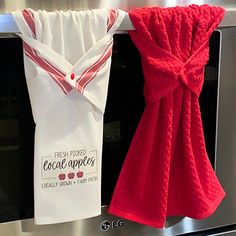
125, 104
208, 97
16, 135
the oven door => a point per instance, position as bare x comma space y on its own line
125, 104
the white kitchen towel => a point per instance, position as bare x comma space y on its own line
67, 58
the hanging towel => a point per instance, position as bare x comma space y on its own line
67, 58
167, 171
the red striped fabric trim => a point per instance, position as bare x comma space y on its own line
58, 76
29, 18
113, 14
45, 63
51, 75
88, 75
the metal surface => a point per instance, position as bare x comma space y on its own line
131, 4
7, 24
230, 233
128, 5
103, 225
10, 5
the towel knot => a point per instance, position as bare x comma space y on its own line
173, 72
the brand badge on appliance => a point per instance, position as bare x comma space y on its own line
106, 224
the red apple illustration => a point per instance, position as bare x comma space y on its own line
71, 175
80, 174
61, 176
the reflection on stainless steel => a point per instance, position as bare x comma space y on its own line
127, 4
7, 24
230, 233
94, 226
8, 6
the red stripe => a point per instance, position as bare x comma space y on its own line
94, 68
58, 77
29, 18
45, 64
31, 24
51, 75
92, 71
113, 14
84, 73
94, 75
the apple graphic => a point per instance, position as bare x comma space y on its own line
71, 175
61, 176
80, 174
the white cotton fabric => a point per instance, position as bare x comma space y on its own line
69, 126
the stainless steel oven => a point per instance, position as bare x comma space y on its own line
123, 111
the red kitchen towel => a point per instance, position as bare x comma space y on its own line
167, 171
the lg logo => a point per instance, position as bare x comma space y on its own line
106, 225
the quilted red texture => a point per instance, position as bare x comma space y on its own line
167, 171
